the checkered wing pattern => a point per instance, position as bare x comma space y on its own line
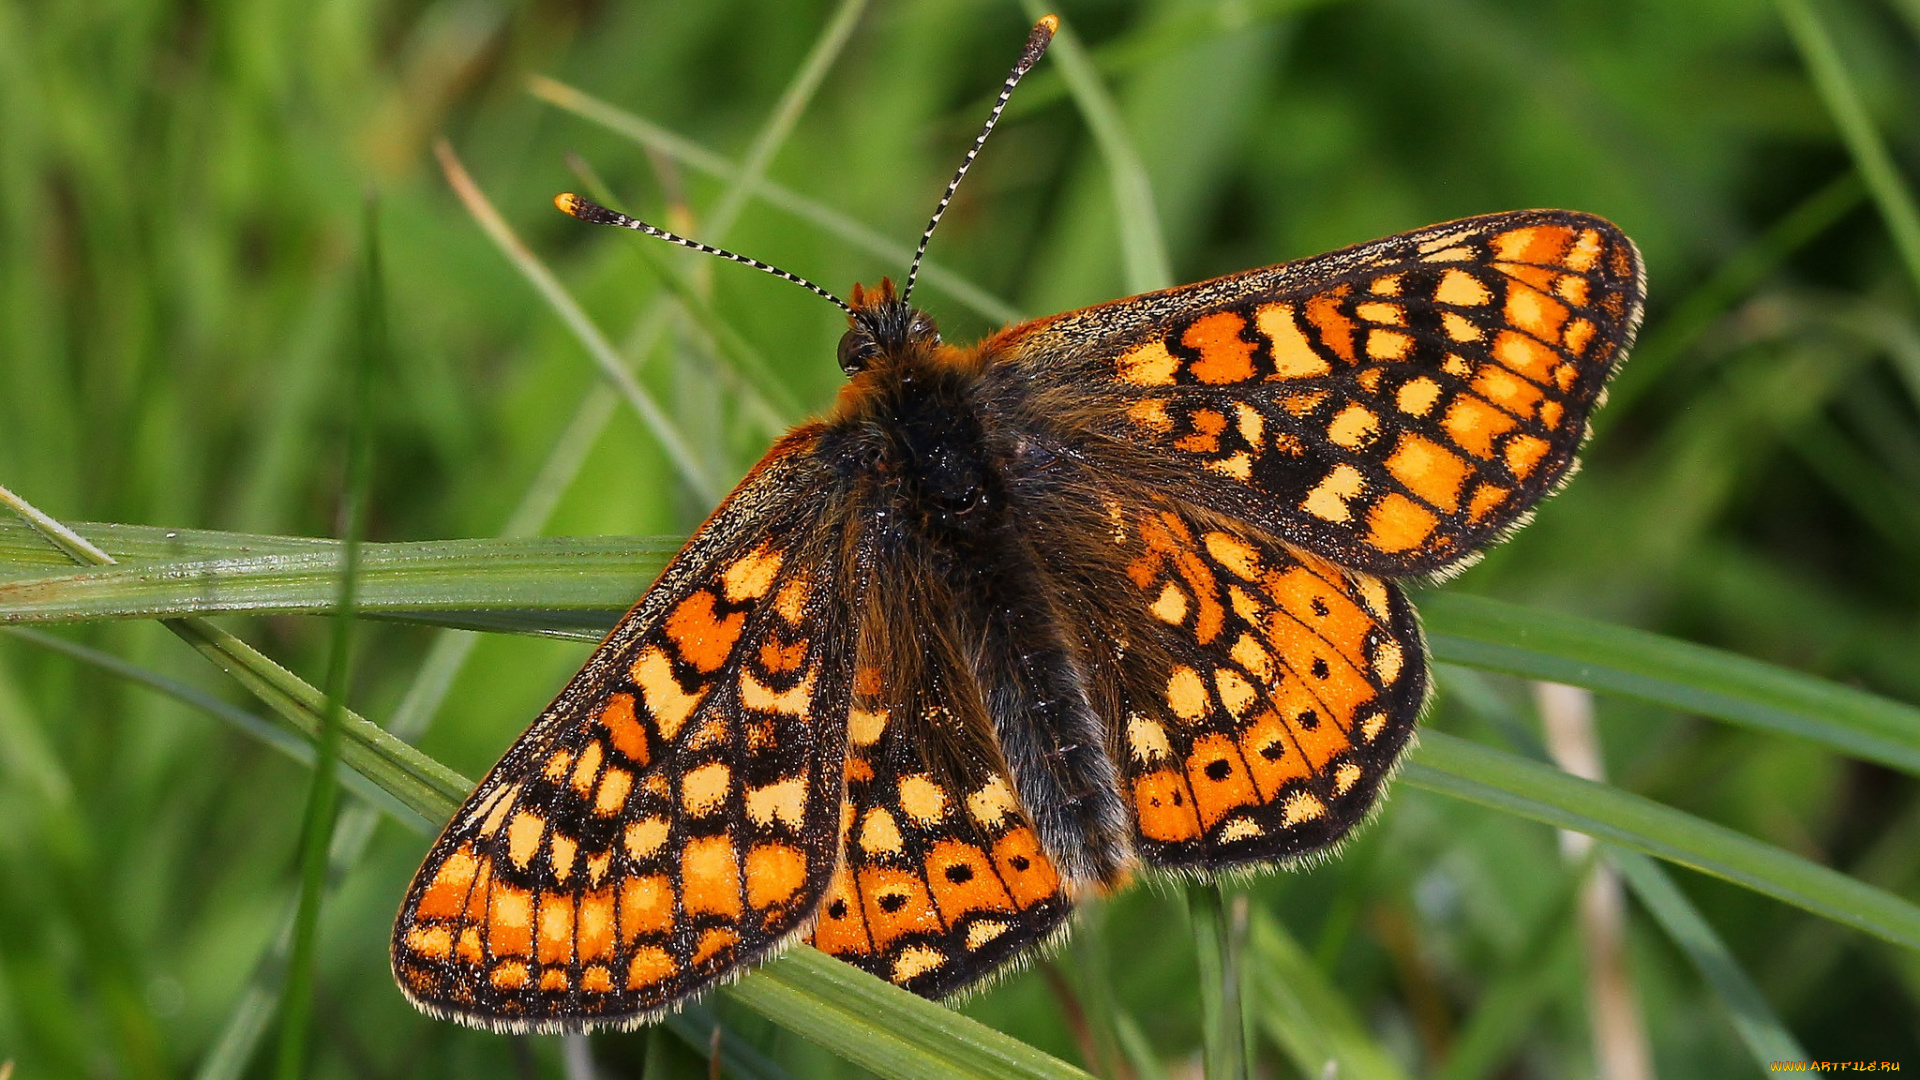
943, 879
1395, 407
1257, 696
673, 815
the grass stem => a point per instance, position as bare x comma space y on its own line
324, 794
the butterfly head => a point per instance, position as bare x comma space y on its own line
882, 327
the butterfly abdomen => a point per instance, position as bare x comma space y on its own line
943, 456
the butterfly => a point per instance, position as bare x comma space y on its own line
1109, 590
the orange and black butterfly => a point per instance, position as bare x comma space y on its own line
1111, 589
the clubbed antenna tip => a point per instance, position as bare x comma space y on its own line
1037, 42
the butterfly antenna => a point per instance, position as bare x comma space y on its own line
593, 213
1037, 43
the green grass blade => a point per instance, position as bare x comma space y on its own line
323, 795
431, 789
1766, 1038
1134, 1046
425, 785
32, 764
533, 573
1144, 249
1465, 770
1842, 99
23, 548
1479, 632
1223, 1041
1168, 31
885, 1029
1303, 1013
281, 739
764, 394
823, 217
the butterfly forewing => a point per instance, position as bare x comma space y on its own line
1395, 407
674, 813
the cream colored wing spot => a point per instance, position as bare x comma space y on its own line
1461, 289
791, 702
1328, 499
879, 832
784, 802
1172, 606
703, 790
1416, 396
1353, 427
1148, 365
667, 702
1147, 740
751, 575
1187, 694
1383, 313
612, 793
1294, 357
864, 726
1302, 807
523, 837
560, 856
992, 804
1387, 345
644, 838
923, 800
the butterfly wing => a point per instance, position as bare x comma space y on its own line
943, 878
674, 813
1257, 696
1395, 407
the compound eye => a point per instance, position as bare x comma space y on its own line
857, 350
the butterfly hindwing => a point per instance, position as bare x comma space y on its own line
943, 877
1272, 694
1395, 407
674, 814
1256, 696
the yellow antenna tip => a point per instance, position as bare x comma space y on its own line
567, 203
1051, 22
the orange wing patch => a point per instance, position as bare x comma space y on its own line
674, 813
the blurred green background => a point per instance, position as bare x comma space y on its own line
180, 195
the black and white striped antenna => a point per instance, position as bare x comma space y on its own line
1037, 43
589, 211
